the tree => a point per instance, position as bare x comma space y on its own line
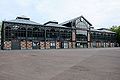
117, 30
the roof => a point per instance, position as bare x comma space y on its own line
54, 24
103, 29
23, 21
76, 19
107, 31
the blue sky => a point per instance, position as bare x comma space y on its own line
101, 13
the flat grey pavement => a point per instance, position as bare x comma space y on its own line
60, 64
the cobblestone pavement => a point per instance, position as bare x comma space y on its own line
60, 64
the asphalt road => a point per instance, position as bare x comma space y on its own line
60, 64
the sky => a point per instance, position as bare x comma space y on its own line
100, 13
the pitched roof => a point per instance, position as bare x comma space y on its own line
76, 19
97, 30
54, 24
23, 21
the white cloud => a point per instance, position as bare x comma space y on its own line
101, 13
23, 3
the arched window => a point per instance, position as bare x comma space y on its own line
19, 32
57, 34
65, 33
22, 32
62, 34
42, 33
47, 33
7, 32
52, 33
69, 34
29, 32
81, 24
35, 32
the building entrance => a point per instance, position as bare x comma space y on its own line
15, 45
52, 45
35, 45
64, 44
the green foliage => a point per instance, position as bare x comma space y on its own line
0, 25
117, 30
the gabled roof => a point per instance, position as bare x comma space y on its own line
23, 21
107, 31
97, 30
54, 24
76, 19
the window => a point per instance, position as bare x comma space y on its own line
41, 33
62, 34
47, 33
52, 33
7, 32
35, 32
68, 34
29, 32
80, 24
81, 35
52, 44
21, 32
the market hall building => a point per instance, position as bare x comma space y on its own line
22, 33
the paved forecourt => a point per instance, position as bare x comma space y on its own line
60, 64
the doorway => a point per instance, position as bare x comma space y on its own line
15, 45
35, 45
52, 44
